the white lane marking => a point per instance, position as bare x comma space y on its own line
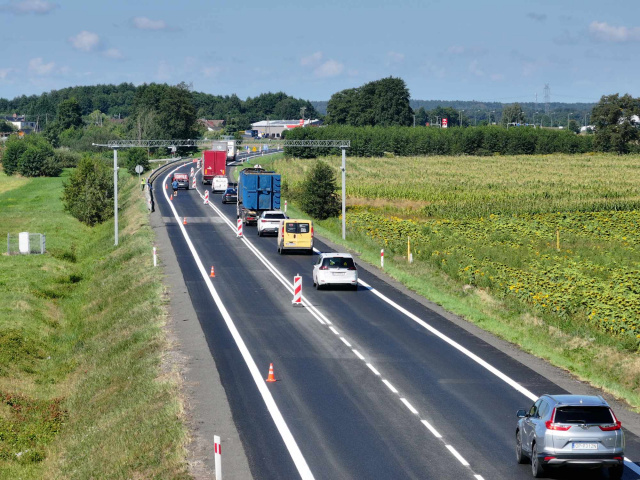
478, 477
431, 429
632, 465
409, 406
334, 330
344, 340
388, 384
278, 419
455, 453
454, 344
373, 369
357, 354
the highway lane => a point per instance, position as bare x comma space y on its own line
350, 424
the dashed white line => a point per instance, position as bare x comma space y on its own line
334, 330
344, 340
455, 453
388, 384
357, 354
373, 369
409, 406
478, 477
431, 429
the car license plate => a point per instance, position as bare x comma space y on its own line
290, 244
584, 446
337, 274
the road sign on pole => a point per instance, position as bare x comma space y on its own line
445, 122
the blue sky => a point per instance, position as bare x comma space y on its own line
502, 51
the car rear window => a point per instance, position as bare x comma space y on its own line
338, 262
181, 177
278, 216
578, 414
297, 228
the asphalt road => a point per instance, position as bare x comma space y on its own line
371, 383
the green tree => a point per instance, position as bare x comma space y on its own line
14, 149
574, 126
319, 197
6, 127
137, 156
615, 123
513, 114
88, 195
69, 114
30, 156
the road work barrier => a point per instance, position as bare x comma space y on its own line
297, 291
239, 228
206, 196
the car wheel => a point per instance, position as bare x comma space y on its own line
317, 285
615, 473
279, 249
355, 287
537, 470
520, 457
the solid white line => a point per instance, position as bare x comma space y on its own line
457, 455
431, 429
388, 384
373, 369
334, 330
478, 477
409, 406
274, 411
345, 342
631, 465
358, 354
454, 344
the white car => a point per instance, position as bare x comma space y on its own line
269, 221
335, 269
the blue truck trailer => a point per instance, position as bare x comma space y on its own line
258, 190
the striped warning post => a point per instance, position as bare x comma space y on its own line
297, 291
240, 227
206, 197
217, 448
194, 180
193, 183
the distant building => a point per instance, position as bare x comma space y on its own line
20, 123
212, 125
275, 128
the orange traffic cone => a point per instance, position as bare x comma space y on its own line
271, 378
184, 222
212, 274
171, 197
166, 186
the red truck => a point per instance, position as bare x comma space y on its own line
214, 165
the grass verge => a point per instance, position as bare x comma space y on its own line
84, 389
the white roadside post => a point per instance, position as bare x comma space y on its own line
285, 206
218, 456
155, 257
382, 258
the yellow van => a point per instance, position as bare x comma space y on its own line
295, 235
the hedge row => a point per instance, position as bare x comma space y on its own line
409, 141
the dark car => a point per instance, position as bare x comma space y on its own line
182, 179
230, 195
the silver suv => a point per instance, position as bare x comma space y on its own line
573, 430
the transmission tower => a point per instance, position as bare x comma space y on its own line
547, 98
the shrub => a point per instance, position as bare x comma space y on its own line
319, 197
31, 156
89, 194
12, 153
137, 156
65, 158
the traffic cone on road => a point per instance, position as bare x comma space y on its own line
184, 222
271, 377
171, 197
166, 186
212, 274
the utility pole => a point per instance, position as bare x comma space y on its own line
414, 120
461, 118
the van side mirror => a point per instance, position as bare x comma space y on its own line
521, 413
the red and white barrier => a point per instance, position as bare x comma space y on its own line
193, 183
382, 258
217, 448
206, 197
297, 291
239, 227
285, 206
194, 180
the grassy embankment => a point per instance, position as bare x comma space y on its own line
484, 241
84, 389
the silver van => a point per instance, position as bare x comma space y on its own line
570, 430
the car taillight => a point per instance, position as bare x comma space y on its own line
352, 268
546, 459
616, 425
263, 220
324, 267
312, 230
283, 230
555, 426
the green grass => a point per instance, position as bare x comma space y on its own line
84, 392
502, 272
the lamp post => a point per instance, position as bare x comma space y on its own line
461, 118
568, 115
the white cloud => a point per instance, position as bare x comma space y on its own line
311, 60
497, 77
609, 33
330, 68
38, 7
395, 58
144, 23
85, 41
475, 69
37, 66
113, 53
5, 71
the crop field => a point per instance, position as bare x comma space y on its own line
558, 234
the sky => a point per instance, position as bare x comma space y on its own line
503, 51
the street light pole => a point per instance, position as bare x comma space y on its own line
461, 118
568, 115
115, 192
344, 193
